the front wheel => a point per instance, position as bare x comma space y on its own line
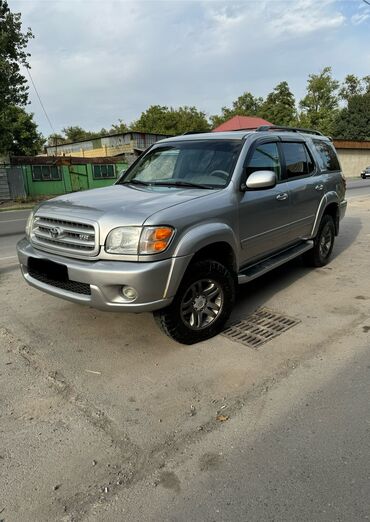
320, 254
202, 305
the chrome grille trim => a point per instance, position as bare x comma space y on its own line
76, 237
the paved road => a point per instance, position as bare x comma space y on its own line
13, 222
104, 418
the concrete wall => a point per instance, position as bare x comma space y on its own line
353, 161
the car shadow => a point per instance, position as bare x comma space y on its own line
255, 294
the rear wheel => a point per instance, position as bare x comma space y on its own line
202, 305
320, 254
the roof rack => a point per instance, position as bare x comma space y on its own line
263, 128
194, 132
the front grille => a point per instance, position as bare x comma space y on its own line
65, 236
71, 286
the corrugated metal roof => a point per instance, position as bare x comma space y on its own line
61, 160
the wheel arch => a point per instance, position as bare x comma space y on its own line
209, 241
328, 205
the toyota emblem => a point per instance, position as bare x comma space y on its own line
56, 232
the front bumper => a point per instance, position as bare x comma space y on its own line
155, 282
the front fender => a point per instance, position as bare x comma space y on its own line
204, 235
190, 243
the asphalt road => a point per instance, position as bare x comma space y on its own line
105, 419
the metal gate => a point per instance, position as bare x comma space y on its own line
4, 186
16, 182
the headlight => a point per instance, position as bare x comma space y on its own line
29, 224
123, 240
138, 240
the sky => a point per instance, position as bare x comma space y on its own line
97, 61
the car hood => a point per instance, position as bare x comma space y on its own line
119, 205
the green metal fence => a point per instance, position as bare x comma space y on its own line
42, 179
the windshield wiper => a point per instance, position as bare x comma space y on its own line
179, 183
135, 182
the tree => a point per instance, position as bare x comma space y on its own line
279, 106
13, 43
55, 139
18, 131
20, 136
118, 127
245, 105
353, 122
351, 86
167, 120
76, 133
320, 105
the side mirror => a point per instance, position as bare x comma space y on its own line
261, 179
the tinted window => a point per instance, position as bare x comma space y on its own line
297, 159
265, 157
327, 156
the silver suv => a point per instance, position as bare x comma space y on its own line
192, 218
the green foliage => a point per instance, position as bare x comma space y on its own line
20, 136
18, 131
167, 120
351, 86
13, 43
279, 107
353, 122
116, 128
320, 105
245, 105
55, 139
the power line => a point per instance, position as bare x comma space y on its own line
38, 96
366, 2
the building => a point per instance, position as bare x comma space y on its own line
35, 176
354, 156
128, 143
241, 123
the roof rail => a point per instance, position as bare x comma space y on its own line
194, 132
263, 128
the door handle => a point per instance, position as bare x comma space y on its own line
319, 187
282, 196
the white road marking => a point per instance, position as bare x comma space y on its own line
9, 257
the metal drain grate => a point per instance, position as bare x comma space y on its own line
259, 328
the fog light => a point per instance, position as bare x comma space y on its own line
129, 293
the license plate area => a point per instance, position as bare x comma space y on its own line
48, 269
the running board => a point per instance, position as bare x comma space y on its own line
266, 265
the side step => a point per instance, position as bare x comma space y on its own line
254, 271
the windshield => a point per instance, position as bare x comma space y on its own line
204, 164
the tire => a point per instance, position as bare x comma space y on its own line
320, 254
202, 305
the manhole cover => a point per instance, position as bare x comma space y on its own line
259, 327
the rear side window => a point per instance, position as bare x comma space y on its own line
265, 157
327, 156
297, 160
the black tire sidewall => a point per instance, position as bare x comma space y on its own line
327, 220
170, 318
